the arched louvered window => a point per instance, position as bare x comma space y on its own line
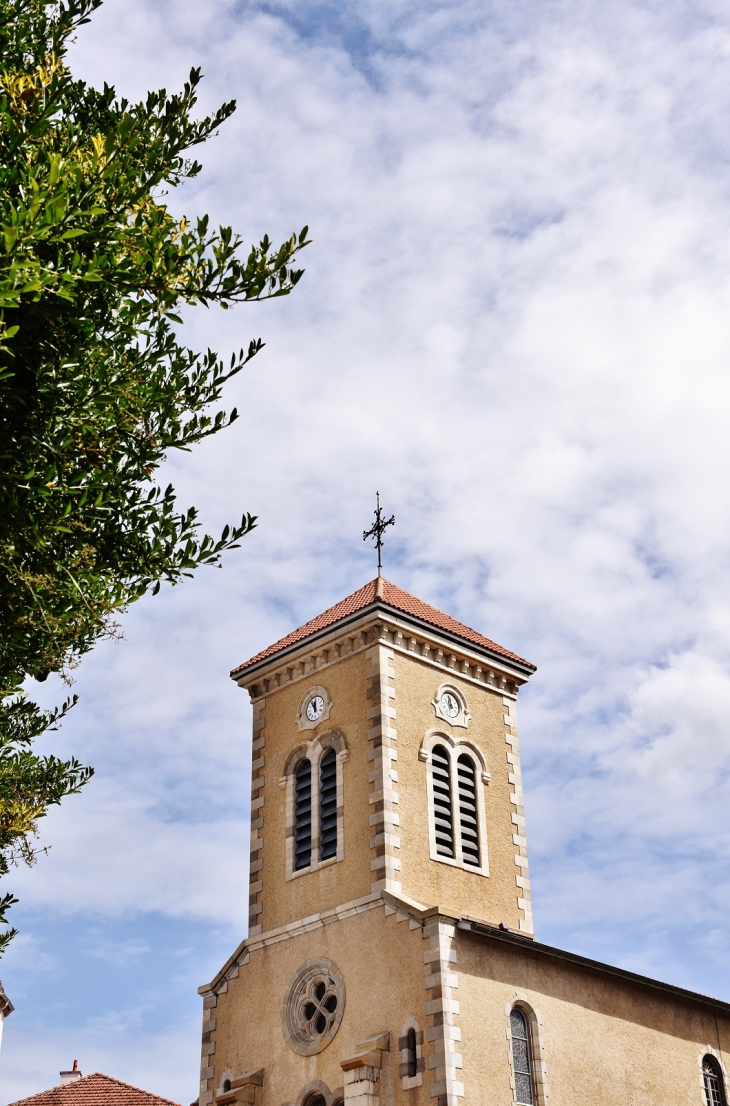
303, 815
328, 805
522, 1058
443, 820
412, 1053
468, 823
712, 1078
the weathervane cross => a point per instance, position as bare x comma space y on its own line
378, 529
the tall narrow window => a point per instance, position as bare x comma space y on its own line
712, 1077
443, 822
328, 805
522, 1058
303, 815
468, 824
412, 1053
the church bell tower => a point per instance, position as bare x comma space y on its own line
386, 788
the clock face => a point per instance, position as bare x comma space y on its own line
449, 704
315, 706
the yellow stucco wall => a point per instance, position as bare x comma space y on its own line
604, 1041
286, 900
492, 898
381, 961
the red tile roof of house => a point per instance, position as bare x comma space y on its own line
94, 1090
392, 596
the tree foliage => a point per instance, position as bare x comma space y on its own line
95, 387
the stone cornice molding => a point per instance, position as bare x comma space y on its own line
445, 654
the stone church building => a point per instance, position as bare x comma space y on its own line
391, 956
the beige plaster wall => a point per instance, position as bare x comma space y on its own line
381, 961
603, 1041
492, 898
287, 900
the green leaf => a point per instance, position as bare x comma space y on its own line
96, 387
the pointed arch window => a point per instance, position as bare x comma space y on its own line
713, 1081
522, 1058
456, 776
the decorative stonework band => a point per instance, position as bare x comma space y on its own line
462, 660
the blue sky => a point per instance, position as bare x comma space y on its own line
515, 323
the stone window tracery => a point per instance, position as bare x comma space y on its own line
313, 1007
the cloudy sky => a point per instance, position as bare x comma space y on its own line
515, 322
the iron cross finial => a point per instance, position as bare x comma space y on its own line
378, 529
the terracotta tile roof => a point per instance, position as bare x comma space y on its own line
94, 1090
393, 596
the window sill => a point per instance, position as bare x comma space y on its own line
316, 867
481, 870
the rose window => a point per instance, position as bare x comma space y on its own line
317, 1008
313, 1007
